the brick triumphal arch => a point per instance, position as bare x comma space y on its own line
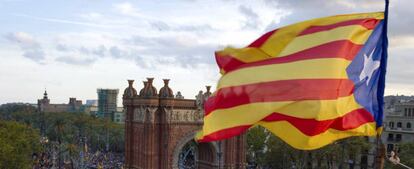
160, 129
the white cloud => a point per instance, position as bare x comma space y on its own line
402, 42
75, 60
127, 9
30, 47
64, 21
91, 16
252, 18
24, 39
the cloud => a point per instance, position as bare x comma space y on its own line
127, 9
30, 47
91, 16
84, 50
83, 55
252, 18
64, 21
36, 55
197, 28
75, 60
62, 47
181, 50
80, 48
399, 22
98, 51
161, 26
399, 66
116, 52
402, 42
23, 39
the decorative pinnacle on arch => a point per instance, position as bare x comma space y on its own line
149, 90
166, 81
130, 91
166, 91
130, 83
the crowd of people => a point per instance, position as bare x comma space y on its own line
42, 161
101, 160
97, 160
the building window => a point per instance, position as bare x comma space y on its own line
405, 111
390, 137
390, 147
408, 125
399, 125
398, 137
391, 124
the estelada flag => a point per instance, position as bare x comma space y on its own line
310, 83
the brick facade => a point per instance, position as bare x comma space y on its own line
157, 126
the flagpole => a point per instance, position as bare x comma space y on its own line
380, 149
384, 58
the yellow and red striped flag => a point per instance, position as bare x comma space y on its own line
309, 83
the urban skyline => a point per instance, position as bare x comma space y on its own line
206, 84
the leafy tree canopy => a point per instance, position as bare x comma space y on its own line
265, 150
17, 144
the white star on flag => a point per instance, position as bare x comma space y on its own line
369, 67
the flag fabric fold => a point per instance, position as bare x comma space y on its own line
310, 83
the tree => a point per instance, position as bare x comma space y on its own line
265, 150
59, 131
18, 112
256, 138
406, 154
72, 151
17, 144
69, 127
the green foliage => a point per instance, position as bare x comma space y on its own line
406, 154
16, 107
68, 130
17, 144
17, 112
256, 138
267, 151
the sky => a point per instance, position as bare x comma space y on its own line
71, 48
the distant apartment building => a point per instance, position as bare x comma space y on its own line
91, 102
107, 103
44, 105
91, 107
119, 116
398, 124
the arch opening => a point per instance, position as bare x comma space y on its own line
190, 154
187, 157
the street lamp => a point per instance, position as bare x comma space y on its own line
219, 154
